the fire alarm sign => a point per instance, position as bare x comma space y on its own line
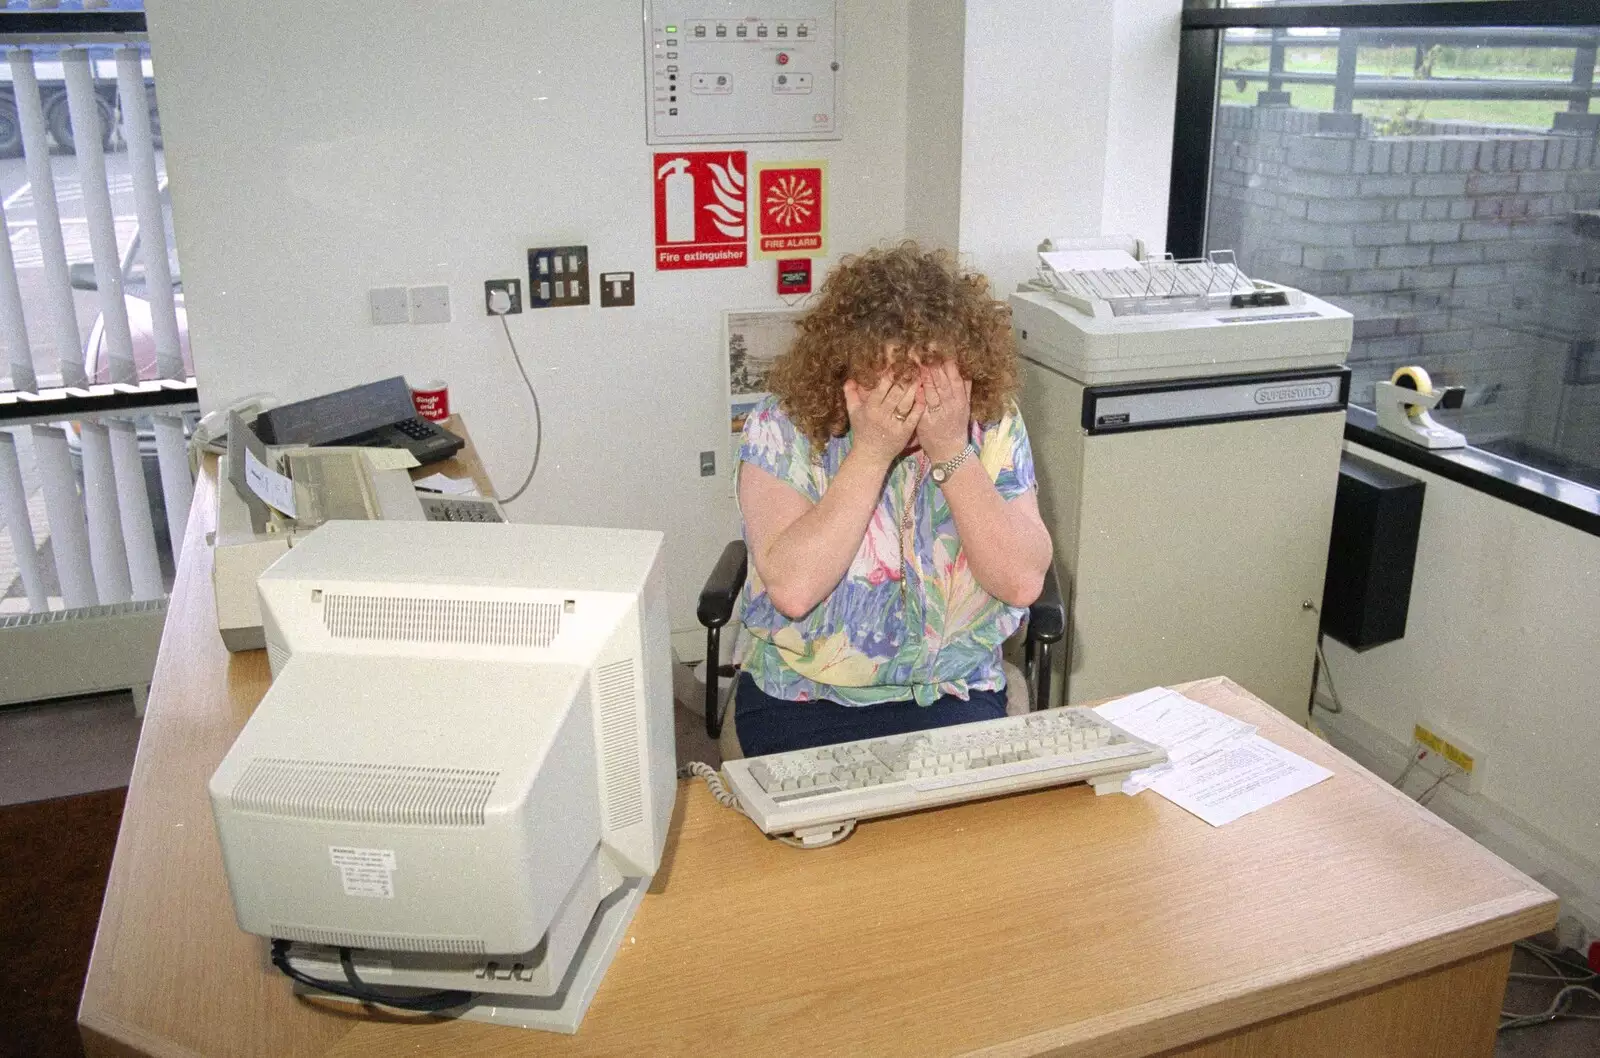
791, 209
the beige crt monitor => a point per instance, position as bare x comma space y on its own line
462, 774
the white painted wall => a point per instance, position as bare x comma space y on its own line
1502, 647
1066, 125
320, 149
935, 85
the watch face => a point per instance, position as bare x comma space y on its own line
939, 474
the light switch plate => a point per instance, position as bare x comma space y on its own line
430, 304
389, 305
558, 276
616, 289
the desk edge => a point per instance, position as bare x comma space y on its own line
1201, 1014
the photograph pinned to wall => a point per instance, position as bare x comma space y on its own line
752, 340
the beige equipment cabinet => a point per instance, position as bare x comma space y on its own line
1188, 463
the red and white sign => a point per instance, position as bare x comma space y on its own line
701, 215
791, 209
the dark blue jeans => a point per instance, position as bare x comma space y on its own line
775, 725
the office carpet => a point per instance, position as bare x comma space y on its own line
54, 857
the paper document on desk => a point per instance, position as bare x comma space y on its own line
391, 458
1181, 726
447, 486
1237, 779
1217, 767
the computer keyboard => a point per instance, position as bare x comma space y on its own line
815, 790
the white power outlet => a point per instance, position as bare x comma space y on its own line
1449, 756
389, 305
430, 304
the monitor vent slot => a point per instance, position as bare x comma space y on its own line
276, 657
335, 938
619, 744
479, 622
365, 793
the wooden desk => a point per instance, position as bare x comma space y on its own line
1343, 921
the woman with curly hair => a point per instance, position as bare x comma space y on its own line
888, 497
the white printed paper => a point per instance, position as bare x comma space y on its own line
448, 486
364, 872
1238, 779
391, 458
1088, 260
274, 489
1183, 727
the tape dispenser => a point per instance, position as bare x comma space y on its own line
1403, 403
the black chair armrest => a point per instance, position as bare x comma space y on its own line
1047, 617
722, 587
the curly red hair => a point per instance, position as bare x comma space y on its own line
876, 308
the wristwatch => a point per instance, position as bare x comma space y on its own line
942, 471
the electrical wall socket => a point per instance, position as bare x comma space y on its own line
1445, 748
558, 276
430, 304
513, 291
389, 305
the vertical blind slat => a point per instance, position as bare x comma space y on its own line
12, 322
85, 111
107, 553
52, 247
69, 539
147, 200
133, 504
14, 503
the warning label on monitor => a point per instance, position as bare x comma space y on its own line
364, 872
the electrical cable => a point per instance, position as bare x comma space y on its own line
538, 417
1415, 760
1555, 961
423, 1003
719, 792
726, 798
1427, 794
1556, 1010
1333, 692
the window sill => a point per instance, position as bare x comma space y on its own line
1517, 483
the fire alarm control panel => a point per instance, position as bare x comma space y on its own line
721, 71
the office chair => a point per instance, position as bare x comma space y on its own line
1046, 626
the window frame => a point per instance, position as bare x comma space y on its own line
1188, 207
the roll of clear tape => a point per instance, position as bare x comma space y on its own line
1413, 377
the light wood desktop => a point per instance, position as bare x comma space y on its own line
1345, 920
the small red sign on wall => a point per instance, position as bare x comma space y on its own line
791, 209
701, 214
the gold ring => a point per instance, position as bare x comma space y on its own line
902, 415
935, 407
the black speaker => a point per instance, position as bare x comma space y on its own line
1373, 550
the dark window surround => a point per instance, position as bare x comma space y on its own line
1518, 484
80, 26
1199, 54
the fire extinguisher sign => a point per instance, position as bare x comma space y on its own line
791, 200
701, 213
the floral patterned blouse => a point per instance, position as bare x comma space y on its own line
908, 620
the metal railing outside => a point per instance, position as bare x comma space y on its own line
1349, 85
